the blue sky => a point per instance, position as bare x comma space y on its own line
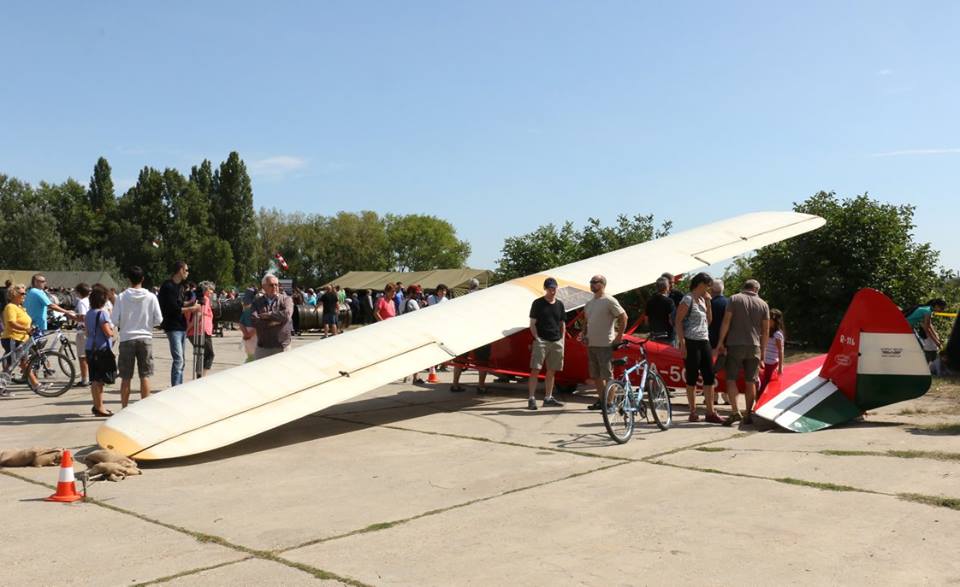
500, 116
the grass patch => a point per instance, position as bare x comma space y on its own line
852, 453
935, 455
935, 500
945, 429
912, 412
925, 454
818, 485
711, 448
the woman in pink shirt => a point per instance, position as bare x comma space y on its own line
207, 288
385, 308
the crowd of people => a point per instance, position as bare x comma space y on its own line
742, 324
114, 332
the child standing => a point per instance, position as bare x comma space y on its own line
773, 355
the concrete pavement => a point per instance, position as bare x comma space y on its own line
416, 485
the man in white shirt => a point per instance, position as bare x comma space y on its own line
136, 314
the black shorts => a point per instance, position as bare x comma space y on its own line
699, 362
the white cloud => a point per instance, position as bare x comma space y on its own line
277, 165
885, 72
917, 152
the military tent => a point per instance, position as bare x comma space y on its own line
457, 279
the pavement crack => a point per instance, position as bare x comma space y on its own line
208, 538
189, 572
386, 525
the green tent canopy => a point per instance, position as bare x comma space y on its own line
58, 279
377, 280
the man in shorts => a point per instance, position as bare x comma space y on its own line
743, 338
548, 326
330, 304
604, 321
136, 314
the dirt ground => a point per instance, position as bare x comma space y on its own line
415, 485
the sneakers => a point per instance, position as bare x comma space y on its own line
6, 393
87, 384
594, 406
550, 401
693, 417
734, 417
714, 418
532, 404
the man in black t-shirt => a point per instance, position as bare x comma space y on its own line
329, 301
548, 326
172, 297
660, 310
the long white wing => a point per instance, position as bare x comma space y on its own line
231, 405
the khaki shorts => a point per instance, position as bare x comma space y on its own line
81, 344
746, 357
599, 358
547, 353
140, 351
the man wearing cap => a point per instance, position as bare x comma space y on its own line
548, 326
604, 321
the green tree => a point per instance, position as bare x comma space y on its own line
420, 243
75, 219
102, 198
550, 246
865, 243
28, 228
204, 177
103, 202
143, 236
547, 246
354, 242
233, 215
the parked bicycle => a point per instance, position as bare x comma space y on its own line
54, 370
622, 401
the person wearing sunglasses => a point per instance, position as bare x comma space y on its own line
16, 330
604, 321
37, 302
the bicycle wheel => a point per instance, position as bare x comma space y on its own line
659, 400
55, 373
617, 414
67, 349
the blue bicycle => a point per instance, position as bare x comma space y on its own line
621, 401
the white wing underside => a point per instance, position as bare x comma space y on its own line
231, 405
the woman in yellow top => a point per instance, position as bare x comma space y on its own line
16, 330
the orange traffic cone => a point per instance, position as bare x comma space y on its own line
432, 377
66, 486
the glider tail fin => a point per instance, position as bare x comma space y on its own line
874, 361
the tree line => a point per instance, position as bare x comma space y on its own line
208, 219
